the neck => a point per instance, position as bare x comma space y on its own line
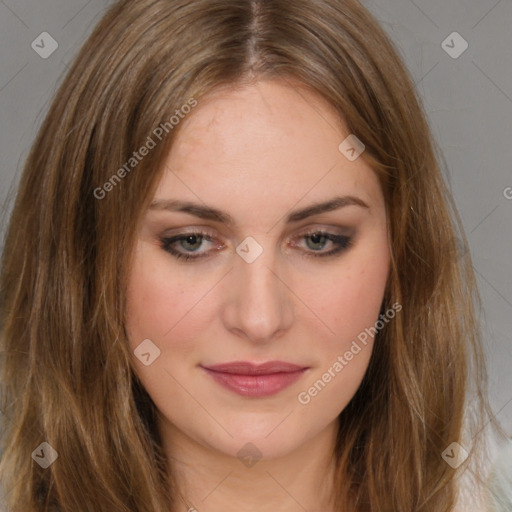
213, 481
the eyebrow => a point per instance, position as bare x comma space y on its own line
209, 213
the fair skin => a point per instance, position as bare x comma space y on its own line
257, 153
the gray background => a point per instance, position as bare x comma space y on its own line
468, 101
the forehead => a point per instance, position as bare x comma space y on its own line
241, 121
264, 143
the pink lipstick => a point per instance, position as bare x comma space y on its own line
255, 380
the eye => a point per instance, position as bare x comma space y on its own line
318, 240
190, 243
187, 245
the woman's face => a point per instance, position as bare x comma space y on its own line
285, 279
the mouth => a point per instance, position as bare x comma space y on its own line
255, 380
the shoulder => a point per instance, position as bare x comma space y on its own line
499, 481
486, 481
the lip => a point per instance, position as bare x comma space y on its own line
255, 380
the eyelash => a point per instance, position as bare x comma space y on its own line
343, 242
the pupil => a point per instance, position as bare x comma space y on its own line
317, 238
190, 240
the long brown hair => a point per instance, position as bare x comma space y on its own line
67, 374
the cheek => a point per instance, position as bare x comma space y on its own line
359, 301
352, 302
351, 308
158, 301
149, 296
160, 307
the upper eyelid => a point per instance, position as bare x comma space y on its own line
339, 230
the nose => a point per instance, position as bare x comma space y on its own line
259, 305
